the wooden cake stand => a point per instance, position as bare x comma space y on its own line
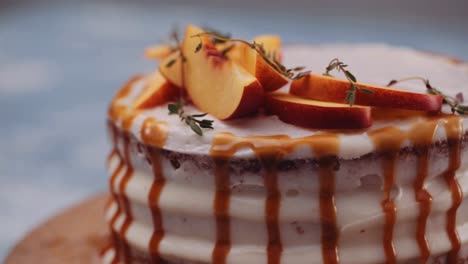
76, 235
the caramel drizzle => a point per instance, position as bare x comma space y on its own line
121, 112
453, 128
221, 208
388, 142
269, 162
222, 196
326, 148
422, 135
113, 181
154, 133
225, 145
125, 203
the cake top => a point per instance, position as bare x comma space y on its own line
252, 99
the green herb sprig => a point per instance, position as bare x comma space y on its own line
177, 108
269, 57
221, 35
192, 121
454, 103
339, 66
176, 46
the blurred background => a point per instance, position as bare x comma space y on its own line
61, 61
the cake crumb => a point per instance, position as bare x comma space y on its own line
175, 164
299, 229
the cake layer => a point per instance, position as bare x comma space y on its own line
257, 190
187, 200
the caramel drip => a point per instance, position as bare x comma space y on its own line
113, 181
125, 203
326, 148
221, 208
127, 121
422, 135
225, 145
270, 150
388, 142
154, 133
222, 197
453, 128
108, 246
116, 110
269, 160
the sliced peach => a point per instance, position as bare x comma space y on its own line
317, 114
324, 88
242, 54
171, 69
271, 44
158, 52
157, 91
216, 84
248, 58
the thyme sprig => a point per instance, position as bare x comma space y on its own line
222, 35
176, 46
339, 66
269, 57
191, 120
453, 102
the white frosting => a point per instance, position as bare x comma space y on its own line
187, 198
189, 223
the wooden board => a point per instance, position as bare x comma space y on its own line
74, 236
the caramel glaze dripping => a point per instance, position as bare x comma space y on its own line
388, 142
269, 160
325, 147
113, 180
124, 201
422, 135
154, 134
268, 157
120, 112
221, 208
222, 199
453, 128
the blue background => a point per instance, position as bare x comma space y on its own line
61, 61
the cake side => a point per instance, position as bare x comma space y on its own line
188, 203
263, 177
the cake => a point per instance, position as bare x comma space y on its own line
381, 181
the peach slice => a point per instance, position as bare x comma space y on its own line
317, 114
243, 55
171, 69
216, 84
248, 58
158, 52
324, 88
271, 44
157, 91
